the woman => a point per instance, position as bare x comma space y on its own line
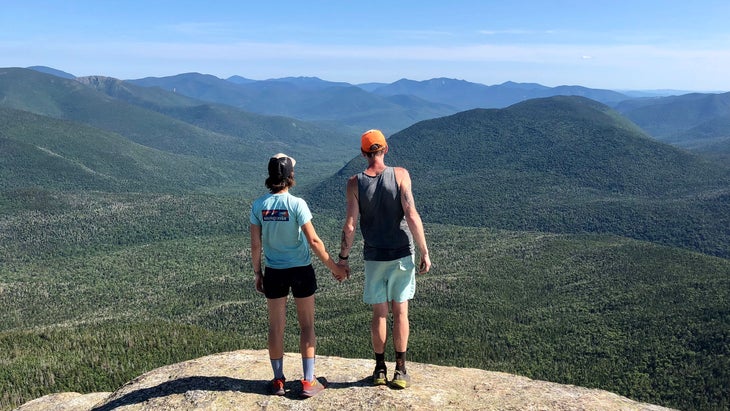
281, 227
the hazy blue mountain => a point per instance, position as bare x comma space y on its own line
465, 95
711, 139
240, 80
559, 164
604, 96
147, 97
370, 87
654, 93
713, 130
199, 86
311, 83
691, 120
52, 71
309, 99
457, 93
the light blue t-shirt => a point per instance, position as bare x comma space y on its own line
281, 217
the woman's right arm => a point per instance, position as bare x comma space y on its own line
256, 251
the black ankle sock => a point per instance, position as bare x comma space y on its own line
380, 361
400, 361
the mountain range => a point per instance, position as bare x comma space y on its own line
561, 164
697, 121
692, 120
389, 106
307, 99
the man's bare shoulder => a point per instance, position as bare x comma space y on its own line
402, 178
400, 172
352, 183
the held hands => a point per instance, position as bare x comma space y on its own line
342, 271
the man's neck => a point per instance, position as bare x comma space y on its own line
375, 168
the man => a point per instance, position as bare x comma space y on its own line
381, 198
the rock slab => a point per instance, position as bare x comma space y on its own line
237, 381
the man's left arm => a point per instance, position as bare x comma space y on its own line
413, 218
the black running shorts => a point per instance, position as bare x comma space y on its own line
300, 280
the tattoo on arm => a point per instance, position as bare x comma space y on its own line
343, 241
408, 197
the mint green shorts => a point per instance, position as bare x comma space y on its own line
387, 281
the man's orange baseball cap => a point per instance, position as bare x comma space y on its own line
373, 141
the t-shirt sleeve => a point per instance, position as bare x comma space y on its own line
254, 216
303, 214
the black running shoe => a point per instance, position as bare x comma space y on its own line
400, 380
379, 376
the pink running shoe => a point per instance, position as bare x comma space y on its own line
311, 388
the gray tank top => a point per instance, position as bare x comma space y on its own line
382, 221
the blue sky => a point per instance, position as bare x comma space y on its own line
633, 44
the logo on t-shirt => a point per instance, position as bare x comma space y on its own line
275, 215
